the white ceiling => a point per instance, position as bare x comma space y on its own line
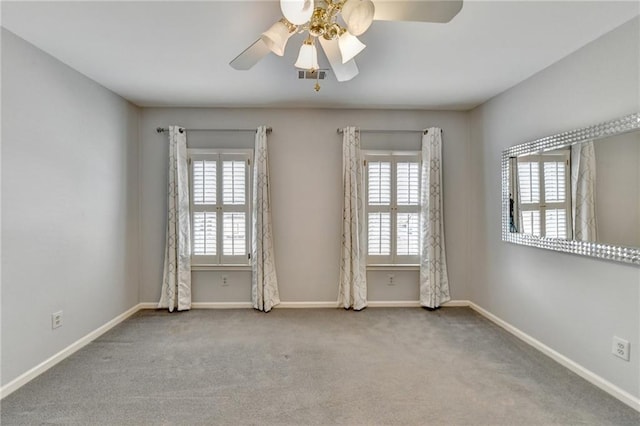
177, 53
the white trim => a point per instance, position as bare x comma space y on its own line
231, 267
393, 304
215, 151
311, 305
297, 305
388, 153
456, 304
31, 374
221, 305
392, 267
149, 305
613, 390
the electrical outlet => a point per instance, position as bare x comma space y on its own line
56, 320
225, 280
620, 348
391, 279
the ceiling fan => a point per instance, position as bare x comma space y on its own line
335, 24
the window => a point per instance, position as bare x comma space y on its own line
544, 198
393, 208
220, 208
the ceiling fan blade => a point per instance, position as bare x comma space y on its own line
251, 55
417, 11
343, 72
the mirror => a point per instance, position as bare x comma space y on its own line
577, 191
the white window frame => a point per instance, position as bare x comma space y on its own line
220, 259
394, 157
542, 206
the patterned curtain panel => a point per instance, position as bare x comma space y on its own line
352, 288
264, 282
583, 191
176, 281
434, 282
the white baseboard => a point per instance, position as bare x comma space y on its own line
31, 374
221, 305
393, 304
307, 305
302, 305
148, 305
456, 304
586, 374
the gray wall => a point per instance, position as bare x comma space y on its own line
306, 171
572, 304
69, 205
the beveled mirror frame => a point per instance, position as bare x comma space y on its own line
584, 248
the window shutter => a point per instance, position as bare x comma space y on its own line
408, 234
379, 238
379, 175
204, 233
233, 182
531, 222
234, 234
220, 206
204, 182
408, 184
529, 176
556, 223
554, 181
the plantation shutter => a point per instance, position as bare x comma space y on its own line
393, 209
379, 210
407, 211
544, 199
220, 207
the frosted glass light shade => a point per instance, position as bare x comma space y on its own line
276, 38
308, 57
297, 11
349, 46
358, 15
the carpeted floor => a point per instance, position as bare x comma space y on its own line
311, 367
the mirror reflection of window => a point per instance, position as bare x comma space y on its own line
545, 207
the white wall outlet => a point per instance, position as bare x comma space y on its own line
225, 280
620, 348
56, 320
391, 279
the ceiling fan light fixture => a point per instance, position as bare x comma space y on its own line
349, 46
297, 12
358, 15
308, 56
277, 36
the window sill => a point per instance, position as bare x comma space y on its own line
230, 267
393, 267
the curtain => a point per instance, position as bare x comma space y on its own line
434, 283
583, 191
176, 281
264, 283
352, 287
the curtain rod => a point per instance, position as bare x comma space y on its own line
424, 132
164, 129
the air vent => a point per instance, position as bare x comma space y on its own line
312, 75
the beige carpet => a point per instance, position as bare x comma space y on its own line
317, 366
